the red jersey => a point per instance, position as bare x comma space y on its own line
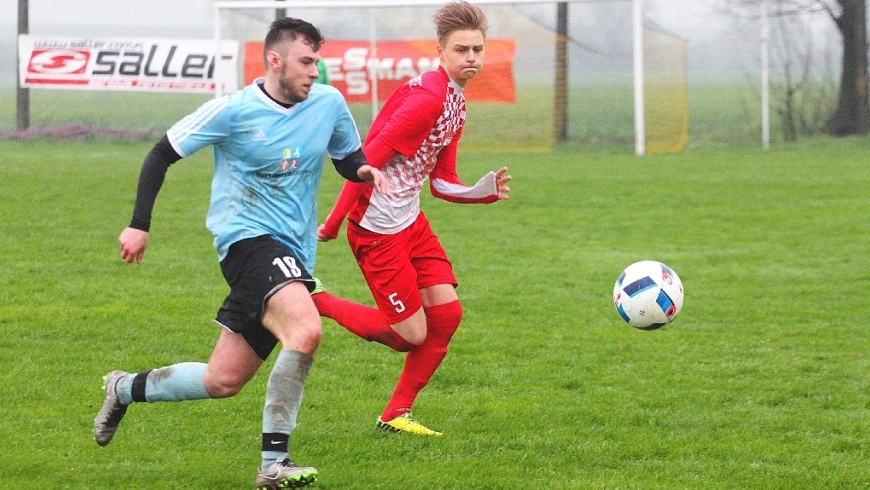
419, 128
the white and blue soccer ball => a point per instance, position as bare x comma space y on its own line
648, 295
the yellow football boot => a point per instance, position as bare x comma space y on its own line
405, 423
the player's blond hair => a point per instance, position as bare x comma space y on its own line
457, 16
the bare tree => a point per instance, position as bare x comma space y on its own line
805, 93
852, 115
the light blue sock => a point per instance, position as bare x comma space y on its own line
124, 389
183, 381
283, 399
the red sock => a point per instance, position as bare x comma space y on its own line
361, 320
423, 360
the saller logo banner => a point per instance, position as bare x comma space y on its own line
142, 64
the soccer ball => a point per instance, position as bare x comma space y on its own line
648, 295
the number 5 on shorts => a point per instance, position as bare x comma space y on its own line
400, 307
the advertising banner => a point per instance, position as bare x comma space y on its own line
142, 64
352, 63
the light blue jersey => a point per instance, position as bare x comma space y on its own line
267, 163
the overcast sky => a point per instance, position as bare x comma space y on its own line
695, 20
715, 45
121, 13
682, 17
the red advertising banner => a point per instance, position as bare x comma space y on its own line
350, 65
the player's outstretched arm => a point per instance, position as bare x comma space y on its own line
492, 187
133, 243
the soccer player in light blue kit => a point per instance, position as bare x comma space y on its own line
269, 141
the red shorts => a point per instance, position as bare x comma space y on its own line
397, 266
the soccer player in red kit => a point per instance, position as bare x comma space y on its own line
413, 138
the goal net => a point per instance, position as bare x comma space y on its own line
666, 92
532, 92
538, 88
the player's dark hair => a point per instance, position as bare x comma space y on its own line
288, 29
457, 16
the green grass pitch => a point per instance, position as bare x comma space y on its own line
761, 382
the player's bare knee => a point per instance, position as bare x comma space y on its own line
311, 333
302, 334
415, 336
307, 327
412, 329
224, 385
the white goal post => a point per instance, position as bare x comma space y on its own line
221, 6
